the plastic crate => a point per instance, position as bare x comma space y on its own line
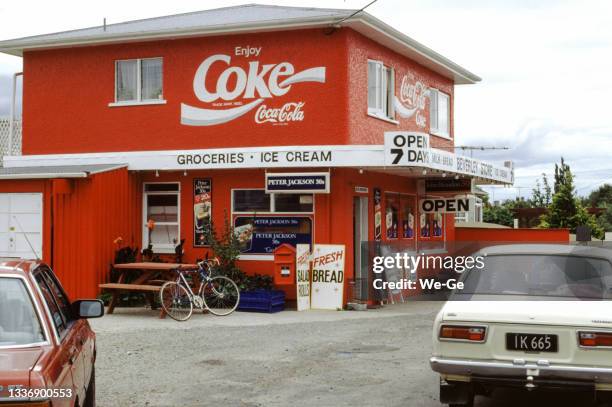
262, 301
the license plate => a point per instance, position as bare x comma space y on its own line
532, 342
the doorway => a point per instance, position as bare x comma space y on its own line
360, 247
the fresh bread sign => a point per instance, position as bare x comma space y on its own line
238, 91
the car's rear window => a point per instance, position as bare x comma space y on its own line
564, 276
19, 324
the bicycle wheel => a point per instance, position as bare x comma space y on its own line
221, 295
175, 300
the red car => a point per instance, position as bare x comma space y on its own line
47, 349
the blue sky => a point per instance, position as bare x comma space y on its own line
545, 66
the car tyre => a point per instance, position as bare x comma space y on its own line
456, 394
90, 396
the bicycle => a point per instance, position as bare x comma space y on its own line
219, 295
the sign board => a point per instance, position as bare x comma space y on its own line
445, 205
302, 261
261, 235
361, 190
300, 182
255, 91
461, 185
411, 149
377, 214
202, 210
328, 276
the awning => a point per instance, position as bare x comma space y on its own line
62, 171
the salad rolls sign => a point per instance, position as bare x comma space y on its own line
302, 254
261, 235
202, 210
328, 276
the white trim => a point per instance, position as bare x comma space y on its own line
383, 118
163, 249
340, 156
138, 103
257, 257
45, 175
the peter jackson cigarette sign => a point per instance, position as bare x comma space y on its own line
202, 210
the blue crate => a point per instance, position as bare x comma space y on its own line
262, 301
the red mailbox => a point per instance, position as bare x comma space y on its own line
284, 265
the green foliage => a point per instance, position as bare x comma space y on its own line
541, 195
601, 197
566, 210
499, 214
226, 246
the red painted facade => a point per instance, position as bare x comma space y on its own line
66, 110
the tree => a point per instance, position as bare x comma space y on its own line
499, 214
601, 197
541, 195
565, 210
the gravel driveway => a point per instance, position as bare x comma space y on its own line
315, 358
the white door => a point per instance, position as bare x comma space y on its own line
21, 221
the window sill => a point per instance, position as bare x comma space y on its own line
138, 103
258, 257
383, 118
441, 135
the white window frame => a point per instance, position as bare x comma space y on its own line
164, 248
434, 95
272, 204
382, 86
138, 100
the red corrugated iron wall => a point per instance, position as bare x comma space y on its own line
87, 218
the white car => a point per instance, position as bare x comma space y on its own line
535, 317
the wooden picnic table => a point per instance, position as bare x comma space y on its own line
152, 276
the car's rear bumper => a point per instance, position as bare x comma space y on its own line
522, 374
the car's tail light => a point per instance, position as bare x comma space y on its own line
591, 339
466, 333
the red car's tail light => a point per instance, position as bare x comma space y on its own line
591, 339
466, 333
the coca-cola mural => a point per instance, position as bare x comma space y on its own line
413, 96
238, 91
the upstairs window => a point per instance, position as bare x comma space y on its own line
439, 113
138, 81
381, 86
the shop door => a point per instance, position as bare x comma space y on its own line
360, 247
20, 217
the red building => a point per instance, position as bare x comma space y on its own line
182, 119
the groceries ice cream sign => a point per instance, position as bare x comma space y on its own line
241, 91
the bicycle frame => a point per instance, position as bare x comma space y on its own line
204, 277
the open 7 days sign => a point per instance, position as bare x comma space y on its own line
238, 91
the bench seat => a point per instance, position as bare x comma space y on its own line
130, 287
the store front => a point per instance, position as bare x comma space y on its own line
300, 135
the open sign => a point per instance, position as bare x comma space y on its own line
444, 205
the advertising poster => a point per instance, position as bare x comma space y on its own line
302, 254
202, 210
327, 276
377, 214
261, 235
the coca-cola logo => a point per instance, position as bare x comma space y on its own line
253, 86
412, 100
